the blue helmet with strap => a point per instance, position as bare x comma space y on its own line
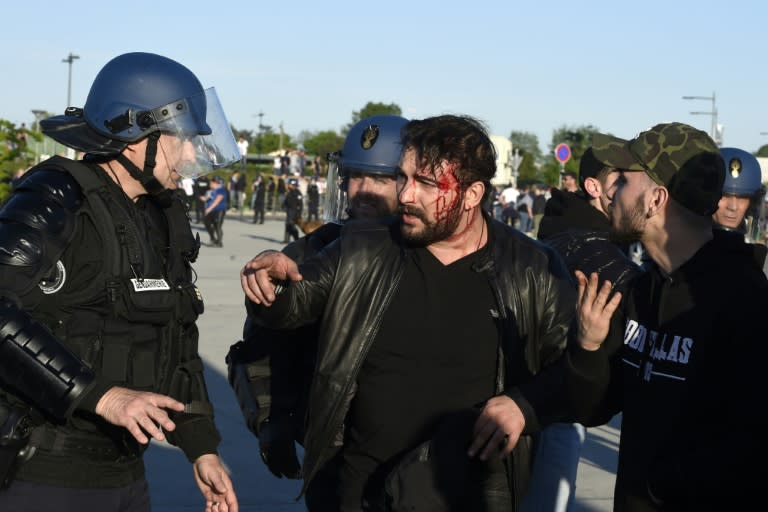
743, 178
144, 95
372, 146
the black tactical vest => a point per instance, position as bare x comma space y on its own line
134, 323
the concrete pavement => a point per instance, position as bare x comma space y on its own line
170, 475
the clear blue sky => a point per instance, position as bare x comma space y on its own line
532, 66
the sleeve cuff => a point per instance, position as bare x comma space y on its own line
195, 437
90, 398
531, 420
588, 364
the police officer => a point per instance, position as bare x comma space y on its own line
292, 204
98, 342
271, 370
741, 209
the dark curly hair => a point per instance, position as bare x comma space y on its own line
459, 140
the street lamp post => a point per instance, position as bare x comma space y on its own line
69, 60
712, 113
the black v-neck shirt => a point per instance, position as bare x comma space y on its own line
435, 353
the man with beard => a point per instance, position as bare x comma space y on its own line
576, 225
432, 327
684, 362
269, 370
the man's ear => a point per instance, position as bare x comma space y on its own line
659, 199
593, 188
473, 195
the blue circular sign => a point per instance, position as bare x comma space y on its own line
563, 152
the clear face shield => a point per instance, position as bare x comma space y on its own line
201, 137
336, 201
756, 228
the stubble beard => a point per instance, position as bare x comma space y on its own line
431, 232
630, 225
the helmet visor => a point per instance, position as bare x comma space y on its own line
335, 196
756, 219
200, 121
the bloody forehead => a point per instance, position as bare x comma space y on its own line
444, 171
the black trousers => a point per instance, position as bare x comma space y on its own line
435, 476
258, 212
291, 231
24, 496
213, 223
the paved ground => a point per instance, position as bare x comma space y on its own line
170, 475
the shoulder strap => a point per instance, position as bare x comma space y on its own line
109, 217
107, 208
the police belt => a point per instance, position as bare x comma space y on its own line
91, 447
101, 449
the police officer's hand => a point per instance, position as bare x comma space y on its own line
215, 484
594, 310
280, 458
497, 429
260, 274
277, 445
140, 412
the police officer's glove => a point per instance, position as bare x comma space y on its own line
278, 447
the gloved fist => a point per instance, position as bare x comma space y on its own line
279, 455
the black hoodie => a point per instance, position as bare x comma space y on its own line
688, 366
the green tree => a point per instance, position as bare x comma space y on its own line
528, 145
373, 109
270, 141
762, 152
15, 153
322, 143
578, 138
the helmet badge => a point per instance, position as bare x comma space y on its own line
734, 166
369, 136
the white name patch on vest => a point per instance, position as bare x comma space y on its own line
149, 285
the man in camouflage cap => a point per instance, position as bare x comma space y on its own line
683, 361
674, 155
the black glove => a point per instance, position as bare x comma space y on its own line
280, 458
278, 447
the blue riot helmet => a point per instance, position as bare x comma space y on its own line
743, 179
742, 173
143, 95
372, 146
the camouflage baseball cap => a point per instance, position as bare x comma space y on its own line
681, 158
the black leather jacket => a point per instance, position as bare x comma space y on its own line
348, 288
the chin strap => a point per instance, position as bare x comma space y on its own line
147, 176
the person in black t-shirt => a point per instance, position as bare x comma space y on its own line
430, 329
